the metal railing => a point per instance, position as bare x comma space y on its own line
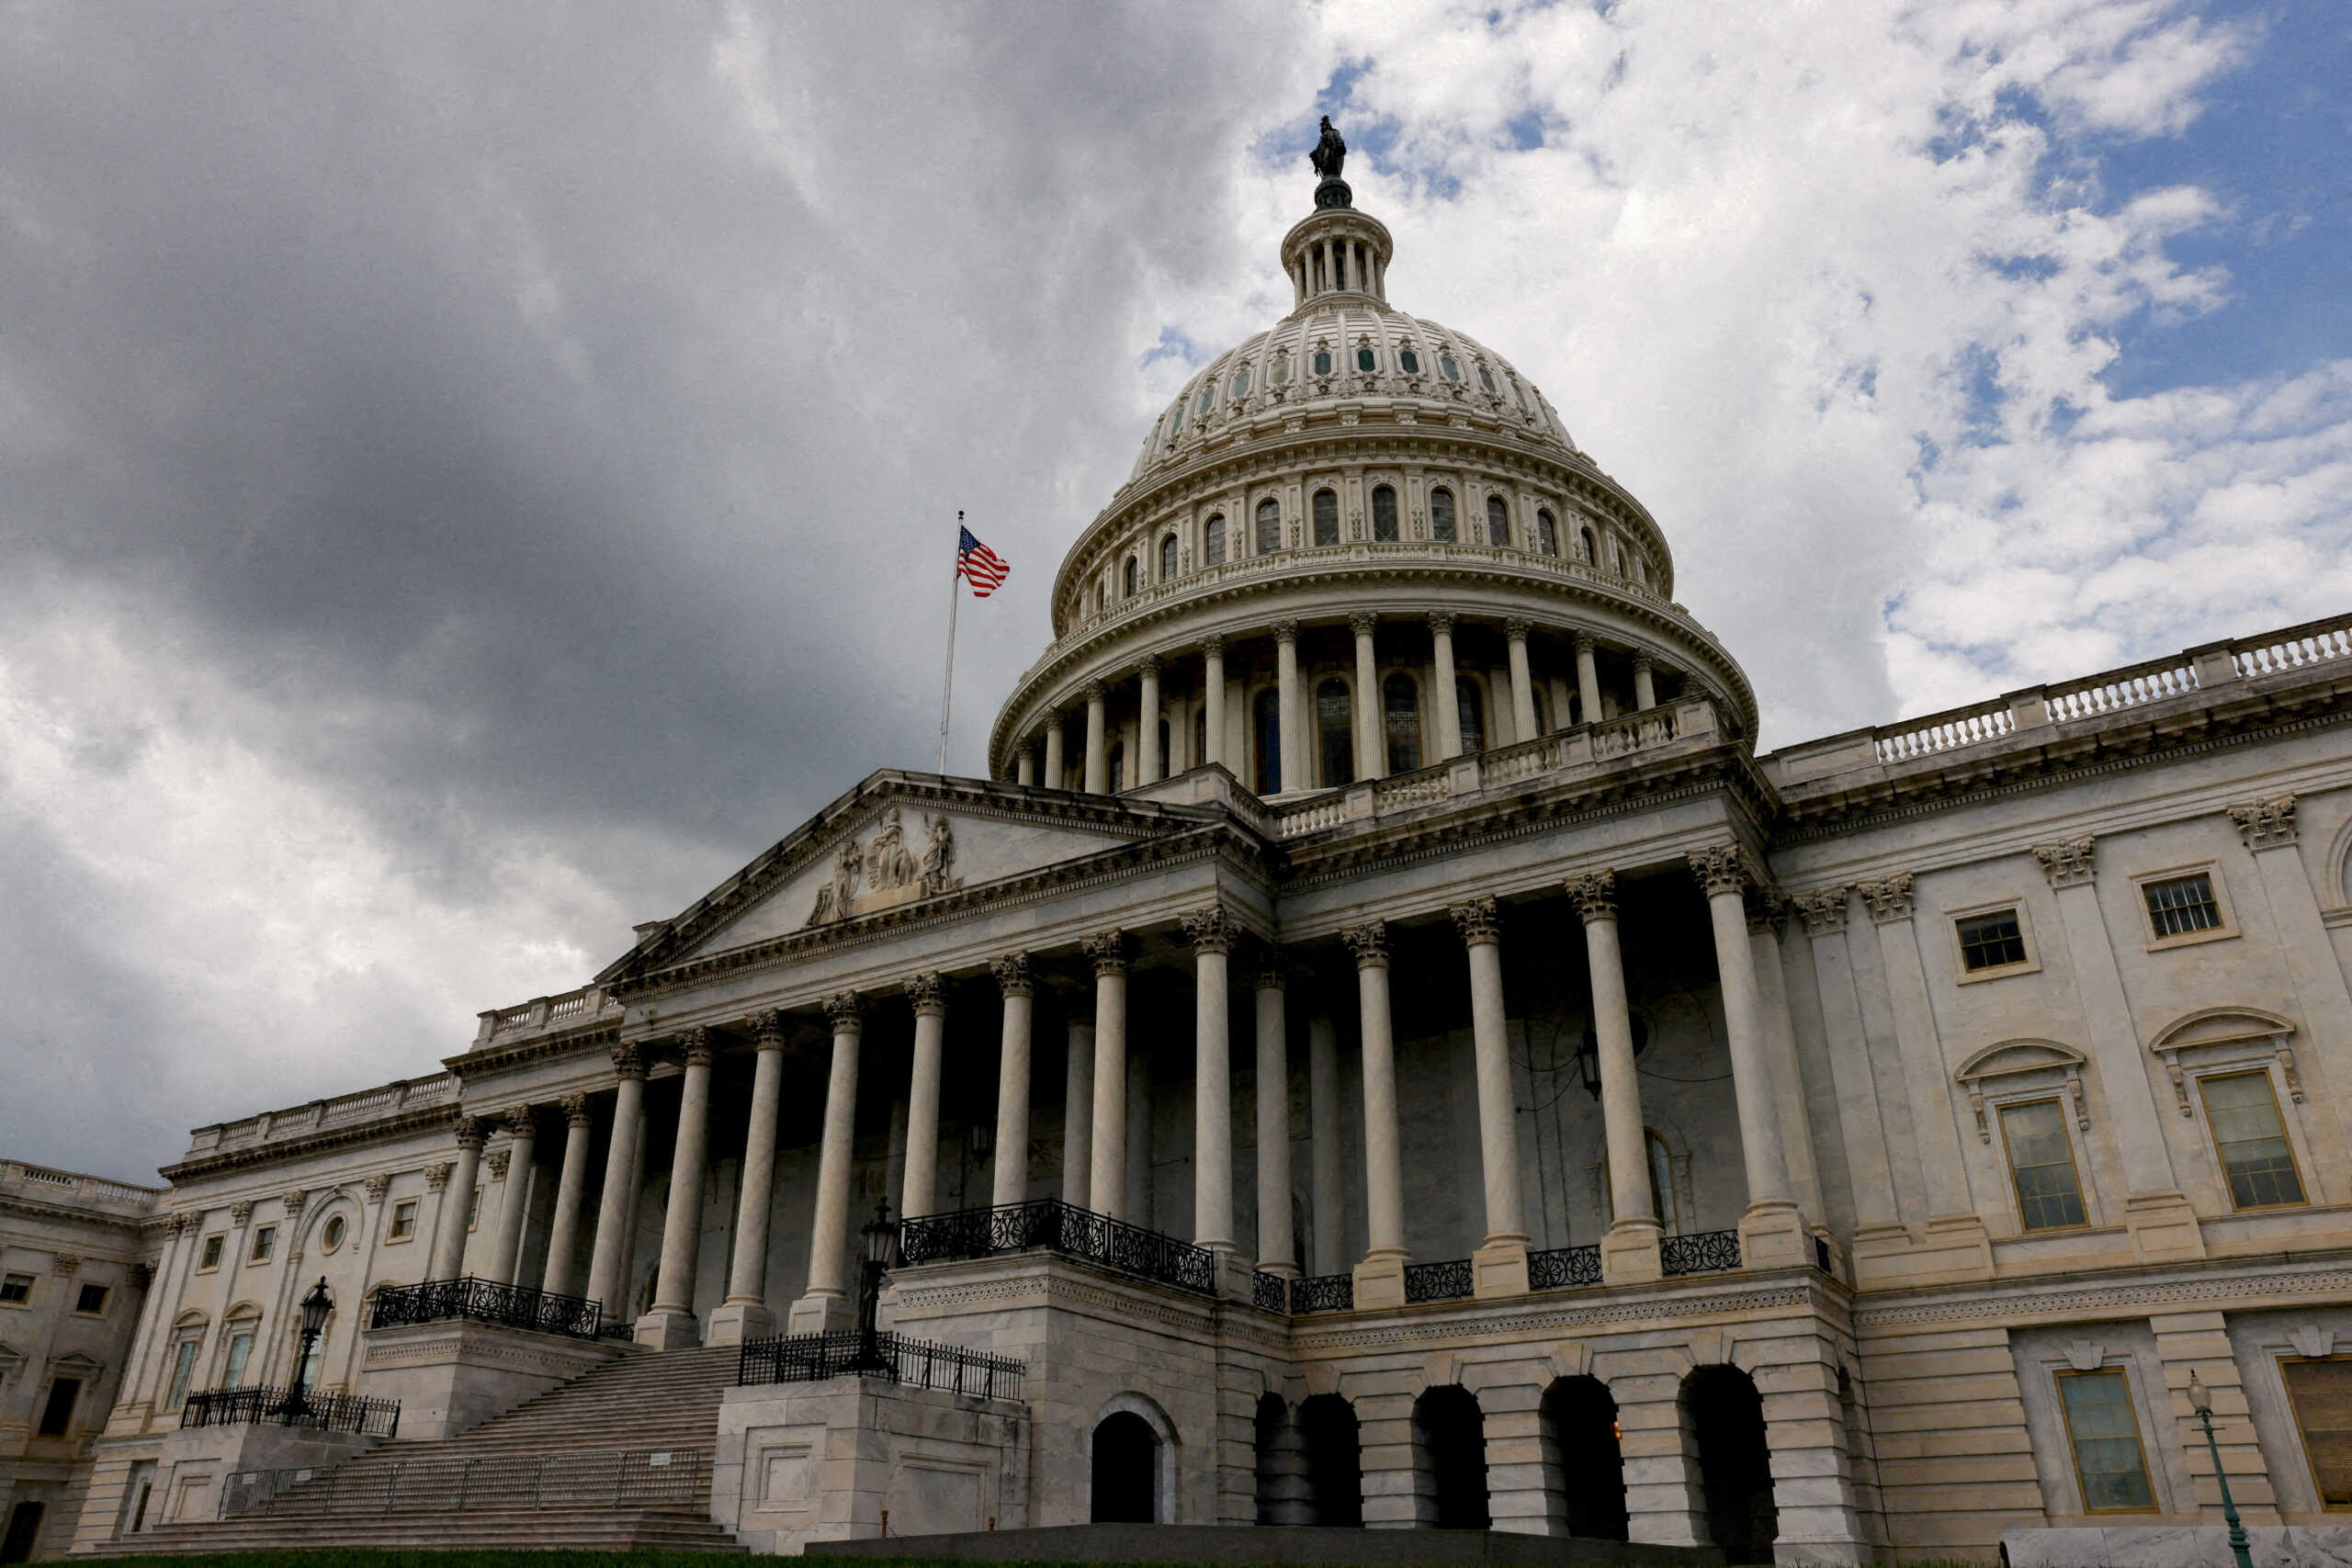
1446, 1282
1702, 1252
1269, 1292
1051, 1225
1559, 1267
1324, 1292
258, 1406
634, 1478
486, 1301
812, 1358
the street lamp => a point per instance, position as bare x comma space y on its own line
881, 1251
2200, 1400
315, 1308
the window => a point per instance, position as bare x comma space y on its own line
1132, 579
1168, 558
332, 1237
1990, 942
1176, 426
241, 1350
91, 1300
1322, 362
1242, 382
1400, 702
1384, 513
1200, 735
1266, 730
403, 1220
183, 1367
1441, 514
1587, 551
1408, 362
2321, 1393
1335, 733
1366, 361
1269, 526
1516, 395
2251, 1140
2104, 1433
1486, 379
1327, 517
265, 1243
1213, 541
1547, 533
2042, 1165
1281, 377
2182, 906
1473, 709
1448, 368
473, 1208
212, 1249
16, 1290
1208, 399
58, 1414
1497, 521
306, 1367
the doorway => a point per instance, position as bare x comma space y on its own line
1126, 1465
1726, 1420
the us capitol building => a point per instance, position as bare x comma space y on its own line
1381, 1048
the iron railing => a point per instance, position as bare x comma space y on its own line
259, 1406
812, 1358
1446, 1282
1269, 1292
1052, 1225
635, 1478
486, 1301
1324, 1292
1559, 1267
1704, 1252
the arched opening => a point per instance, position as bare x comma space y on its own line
1384, 511
1200, 735
1725, 1417
1400, 702
1591, 551
1168, 558
1334, 1461
1269, 526
1497, 521
1282, 1484
1441, 514
1335, 733
1471, 705
1327, 517
1581, 1440
1266, 734
1450, 1458
1213, 541
1547, 533
1116, 771
1132, 577
1126, 1470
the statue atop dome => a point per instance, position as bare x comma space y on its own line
1331, 153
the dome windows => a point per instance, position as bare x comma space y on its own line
1176, 426
1168, 558
1516, 395
1322, 362
1327, 517
1471, 706
1269, 526
1384, 513
1588, 551
1366, 361
1281, 375
1409, 362
1448, 368
1441, 514
1132, 578
1547, 533
1208, 399
1487, 379
1213, 541
1497, 521
1242, 382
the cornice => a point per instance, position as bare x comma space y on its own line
277, 1152
2255, 1281
487, 1060
37, 1209
1536, 1316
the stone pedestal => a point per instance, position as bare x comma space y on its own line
668, 1328
736, 1322
1500, 1268
1380, 1283
1773, 1236
2164, 1228
1950, 1249
821, 1314
1629, 1254
452, 1376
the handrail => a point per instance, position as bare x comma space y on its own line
1052, 1225
631, 1478
814, 1358
486, 1301
259, 1407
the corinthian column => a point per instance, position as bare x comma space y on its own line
1098, 747
1500, 1267
826, 1305
1057, 771
1770, 1233
1150, 762
1011, 1185
1292, 770
522, 1134
1380, 1278
1213, 699
1523, 683
1106, 1190
617, 1213
670, 1324
1078, 1113
1449, 707
456, 1204
1277, 1247
930, 999
561, 1276
1211, 934
1587, 680
1644, 683
1371, 759
745, 1313
1629, 1253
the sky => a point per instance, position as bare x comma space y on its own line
472, 477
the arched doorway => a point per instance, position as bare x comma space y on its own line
1283, 1486
1725, 1416
1580, 1425
1126, 1470
1334, 1461
1450, 1453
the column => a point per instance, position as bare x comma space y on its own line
1562, 700
1293, 748
456, 1204
745, 1314
826, 1304
1078, 1114
1500, 1266
1327, 1188
1771, 1235
1861, 1127
1277, 1245
1150, 762
1380, 1278
1107, 1188
1213, 697
1057, 771
1372, 758
1012, 1182
1587, 680
1629, 1252
521, 1135
1137, 1192
2268, 827
1645, 685
1449, 710
930, 999
1211, 933
1024, 765
1098, 749
670, 1324
561, 1276
617, 1213
1522, 684
1767, 915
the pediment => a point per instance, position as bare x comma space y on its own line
2019, 1056
2222, 1026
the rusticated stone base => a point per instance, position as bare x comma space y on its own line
452, 1376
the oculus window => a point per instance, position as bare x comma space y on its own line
1270, 527
2182, 906
1327, 517
2041, 1166
331, 1237
2251, 1141
1441, 514
1384, 513
2103, 1431
1993, 941
2321, 1394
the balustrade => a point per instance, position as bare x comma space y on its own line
1702, 1252
259, 1406
1323, 1292
1446, 1282
812, 1358
486, 1301
1560, 1268
1051, 1225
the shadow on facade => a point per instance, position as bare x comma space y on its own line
1126, 1467
1723, 1421
1584, 1465
1449, 1459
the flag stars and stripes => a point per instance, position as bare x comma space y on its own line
980, 566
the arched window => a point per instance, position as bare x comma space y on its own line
1450, 1456
1547, 533
243, 1325
1208, 399
1497, 521
1384, 511
1168, 558
1448, 368
1322, 362
1335, 733
1516, 395
1266, 733
1400, 702
1441, 514
1176, 426
1366, 361
1281, 374
1116, 770
1213, 541
1408, 362
1269, 526
1590, 552
1327, 517
1242, 382
1486, 379
1473, 709
1126, 1465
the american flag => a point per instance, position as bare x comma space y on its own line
980, 566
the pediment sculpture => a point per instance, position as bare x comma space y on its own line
886, 869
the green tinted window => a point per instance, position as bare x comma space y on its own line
2104, 1436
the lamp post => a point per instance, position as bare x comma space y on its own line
881, 1251
315, 1308
2200, 1400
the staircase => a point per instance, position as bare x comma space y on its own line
548, 1473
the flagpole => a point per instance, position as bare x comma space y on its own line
948, 681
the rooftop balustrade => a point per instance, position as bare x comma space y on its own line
73, 1187
399, 1097
585, 1005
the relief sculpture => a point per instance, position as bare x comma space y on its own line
883, 871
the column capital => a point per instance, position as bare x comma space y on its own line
1211, 929
1148, 666
496, 1160
2267, 823
1595, 894
694, 1045
1441, 622
1822, 910
1213, 646
846, 1011
1517, 627
239, 1211
1369, 943
575, 1112
1887, 898
1642, 661
378, 1185
629, 1060
1720, 868
1286, 630
436, 1177
471, 1132
1270, 970
928, 992
1094, 692
142, 1275
1012, 976
2069, 863
519, 1123
1479, 921
1107, 951
66, 1264
1584, 643
1361, 622
295, 1201
766, 1029
1767, 910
